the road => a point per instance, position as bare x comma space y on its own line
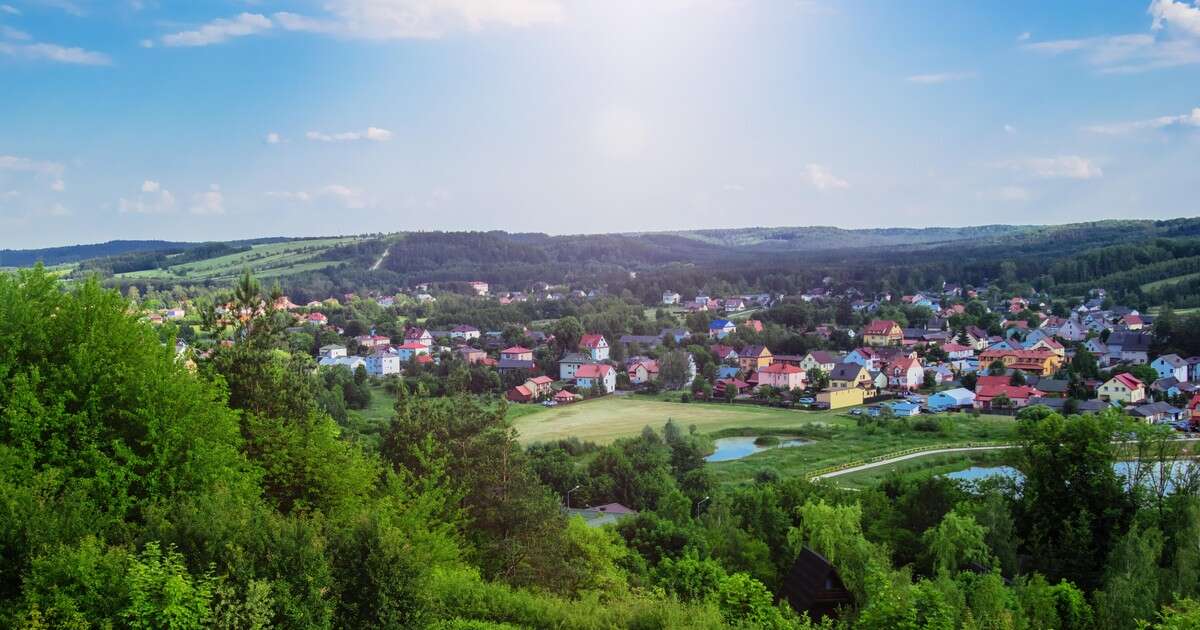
380, 261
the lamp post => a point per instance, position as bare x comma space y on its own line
701, 502
569, 496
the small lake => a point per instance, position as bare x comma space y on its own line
1124, 469
732, 448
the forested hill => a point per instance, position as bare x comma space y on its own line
1146, 263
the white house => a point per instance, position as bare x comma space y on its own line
595, 345
464, 332
333, 351
958, 398
409, 350
721, 328
570, 364
905, 373
592, 374
350, 363
1171, 365
383, 364
670, 297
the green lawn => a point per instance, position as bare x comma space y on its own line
932, 465
1172, 280
266, 260
849, 442
606, 419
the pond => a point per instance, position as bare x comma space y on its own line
1180, 469
732, 448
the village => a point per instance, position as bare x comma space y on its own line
1085, 359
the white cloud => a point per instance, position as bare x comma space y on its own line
273, 138
1059, 167
941, 77
9, 9
209, 202
374, 134
59, 185
1024, 37
1187, 18
344, 195
153, 199
1174, 41
27, 165
220, 30
822, 178
1009, 129
8, 32
1191, 119
404, 19
56, 53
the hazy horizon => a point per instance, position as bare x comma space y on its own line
133, 120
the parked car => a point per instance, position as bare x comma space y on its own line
806, 401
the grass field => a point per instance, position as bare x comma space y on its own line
932, 465
1172, 280
266, 261
606, 419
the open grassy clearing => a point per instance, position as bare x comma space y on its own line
849, 442
606, 419
1149, 286
933, 465
266, 261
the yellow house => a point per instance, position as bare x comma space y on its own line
841, 398
883, 332
849, 375
753, 358
1124, 388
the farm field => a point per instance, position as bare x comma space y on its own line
1167, 281
266, 261
606, 419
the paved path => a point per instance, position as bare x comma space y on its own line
900, 458
380, 261
939, 451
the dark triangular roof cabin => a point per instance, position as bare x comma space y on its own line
814, 587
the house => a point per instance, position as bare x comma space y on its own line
849, 375
1124, 388
751, 325
989, 388
383, 363
1166, 387
595, 345
1132, 321
466, 353
512, 365
821, 359
1193, 368
879, 379
350, 363
565, 397
957, 351
1053, 386
596, 374
841, 397
1040, 362
721, 328
407, 351
732, 305
679, 334
333, 350
781, 376
882, 332
724, 354
371, 342
1157, 412
1046, 343
1129, 347
903, 408
519, 394
1171, 366
670, 298
539, 386
754, 357
641, 370
814, 587
739, 386
1072, 330
480, 288
865, 357
418, 335
570, 363
728, 371
516, 353
1192, 410
646, 341
958, 398
464, 332
905, 373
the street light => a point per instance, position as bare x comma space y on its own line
569, 496
701, 502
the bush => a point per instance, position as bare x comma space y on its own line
766, 440
685, 397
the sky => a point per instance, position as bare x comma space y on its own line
226, 119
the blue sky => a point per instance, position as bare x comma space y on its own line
221, 120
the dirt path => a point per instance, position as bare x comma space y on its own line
380, 261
